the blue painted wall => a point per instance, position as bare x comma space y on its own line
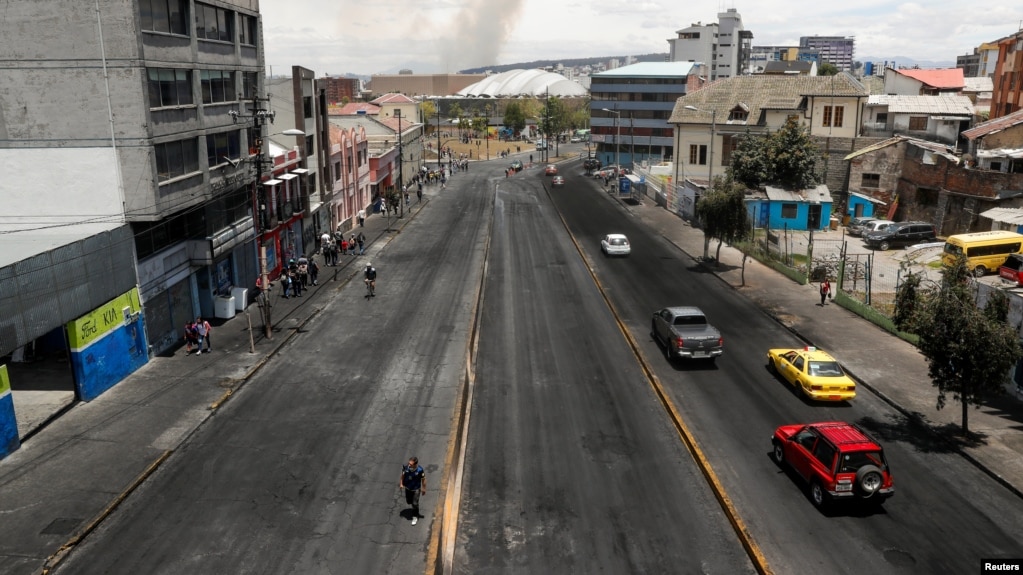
769, 213
109, 359
9, 441
868, 207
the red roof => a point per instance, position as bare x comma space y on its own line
393, 98
939, 78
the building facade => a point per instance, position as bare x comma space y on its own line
835, 50
630, 107
341, 90
1007, 96
723, 46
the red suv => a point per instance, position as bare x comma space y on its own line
838, 460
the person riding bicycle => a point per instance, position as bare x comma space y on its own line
371, 278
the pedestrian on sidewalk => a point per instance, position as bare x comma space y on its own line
191, 338
314, 270
344, 246
825, 291
303, 272
413, 481
202, 331
362, 217
296, 285
286, 284
362, 244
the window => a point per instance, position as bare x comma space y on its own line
247, 27
168, 87
729, 143
698, 154
217, 86
250, 85
169, 16
175, 159
212, 23
221, 146
882, 118
918, 123
737, 116
789, 211
871, 181
833, 116
307, 106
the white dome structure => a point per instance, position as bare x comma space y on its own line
524, 84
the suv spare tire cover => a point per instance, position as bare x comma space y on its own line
869, 479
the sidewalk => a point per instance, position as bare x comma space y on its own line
81, 458
879, 361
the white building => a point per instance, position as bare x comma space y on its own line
724, 45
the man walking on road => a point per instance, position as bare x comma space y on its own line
413, 481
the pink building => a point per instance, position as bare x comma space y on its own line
350, 167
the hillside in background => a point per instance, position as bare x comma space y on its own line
566, 62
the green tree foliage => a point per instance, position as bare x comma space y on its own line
969, 354
723, 215
456, 113
907, 303
827, 69
786, 158
514, 117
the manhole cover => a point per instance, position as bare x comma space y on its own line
61, 526
899, 558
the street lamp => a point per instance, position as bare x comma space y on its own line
713, 128
618, 135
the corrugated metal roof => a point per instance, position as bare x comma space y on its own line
874, 147
994, 126
760, 92
653, 69
935, 147
868, 198
982, 84
820, 194
1004, 215
945, 105
938, 78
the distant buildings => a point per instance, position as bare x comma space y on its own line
835, 50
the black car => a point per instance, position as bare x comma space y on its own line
591, 164
900, 235
516, 165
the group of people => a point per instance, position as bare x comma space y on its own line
298, 276
335, 245
197, 336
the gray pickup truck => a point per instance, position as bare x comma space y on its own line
684, 331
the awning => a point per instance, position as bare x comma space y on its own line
300, 171
271, 182
287, 176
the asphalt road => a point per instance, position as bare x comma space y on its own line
945, 516
572, 465
299, 472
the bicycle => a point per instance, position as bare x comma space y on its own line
371, 287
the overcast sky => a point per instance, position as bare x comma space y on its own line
383, 36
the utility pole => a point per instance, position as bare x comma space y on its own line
401, 186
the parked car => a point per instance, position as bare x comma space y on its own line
576, 139
838, 460
900, 235
516, 165
558, 181
685, 332
1011, 271
855, 227
813, 372
874, 226
615, 245
591, 164
550, 170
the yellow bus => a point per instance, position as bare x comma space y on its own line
985, 251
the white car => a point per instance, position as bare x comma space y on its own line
615, 245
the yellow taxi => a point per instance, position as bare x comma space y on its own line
814, 372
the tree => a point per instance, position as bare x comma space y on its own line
786, 158
456, 112
827, 69
514, 117
907, 303
428, 109
968, 353
724, 216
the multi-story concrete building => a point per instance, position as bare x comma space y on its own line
630, 107
1007, 96
341, 90
981, 62
131, 171
761, 56
724, 46
835, 50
